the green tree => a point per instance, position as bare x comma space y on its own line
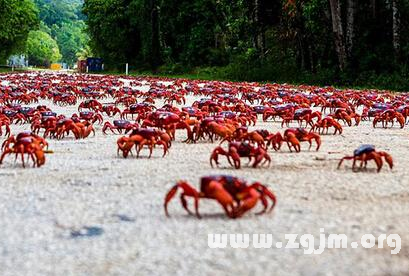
58, 11
17, 19
42, 49
117, 30
319, 41
64, 20
71, 40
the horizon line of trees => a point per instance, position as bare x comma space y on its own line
329, 40
45, 31
346, 42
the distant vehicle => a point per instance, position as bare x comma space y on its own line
93, 64
55, 66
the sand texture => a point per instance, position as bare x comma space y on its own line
45, 211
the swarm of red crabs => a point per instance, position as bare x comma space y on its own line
194, 112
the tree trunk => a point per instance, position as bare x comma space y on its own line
350, 28
338, 33
155, 44
259, 35
373, 6
395, 27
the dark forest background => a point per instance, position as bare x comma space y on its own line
325, 42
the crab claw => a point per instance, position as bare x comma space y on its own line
264, 191
249, 200
215, 155
165, 146
188, 190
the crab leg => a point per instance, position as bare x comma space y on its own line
345, 158
249, 200
187, 191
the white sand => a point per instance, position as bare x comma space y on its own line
84, 183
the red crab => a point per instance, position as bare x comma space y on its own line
119, 125
302, 135
388, 116
5, 122
125, 144
137, 109
241, 134
346, 115
88, 116
325, 124
233, 194
25, 143
110, 110
365, 153
241, 149
90, 104
293, 137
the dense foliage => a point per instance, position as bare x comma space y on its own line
65, 24
42, 50
322, 41
59, 22
344, 42
17, 18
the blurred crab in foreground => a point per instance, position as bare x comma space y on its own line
233, 194
25, 143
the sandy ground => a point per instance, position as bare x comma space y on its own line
84, 184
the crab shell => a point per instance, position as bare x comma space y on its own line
364, 149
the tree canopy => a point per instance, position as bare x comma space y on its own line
42, 49
17, 18
316, 41
286, 40
64, 21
